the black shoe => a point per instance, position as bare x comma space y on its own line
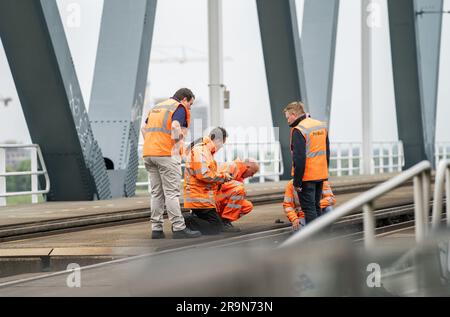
158, 234
228, 226
186, 233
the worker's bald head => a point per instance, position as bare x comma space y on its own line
252, 168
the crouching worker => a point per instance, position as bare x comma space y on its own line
201, 182
231, 203
328, 199
293, 210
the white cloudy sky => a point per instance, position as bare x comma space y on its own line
244, 72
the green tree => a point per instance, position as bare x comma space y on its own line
19, 183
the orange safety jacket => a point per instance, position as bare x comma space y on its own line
231, 203
291, 203
201, 177
235, 168
158, 130
327, 196
315, 134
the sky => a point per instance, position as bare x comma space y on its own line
244, 72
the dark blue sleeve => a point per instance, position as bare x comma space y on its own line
298, 157
180, 116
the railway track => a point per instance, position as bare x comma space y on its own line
388, 220
259, 196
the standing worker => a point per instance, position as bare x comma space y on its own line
201, 182
166, 127
293, 210
310, 149
231, 202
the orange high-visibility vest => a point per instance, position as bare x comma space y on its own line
231, 202
327, 196
158, 131
201, 178
291, 204
315, 134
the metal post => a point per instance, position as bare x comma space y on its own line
391, 157
338, 161
426, 184
262, 158
350, 160
216, 87
34, 177
366, 81
369, 225
447, 195
381, 158
418, 208
2, 178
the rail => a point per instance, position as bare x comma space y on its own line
420, 173
36, 156
346, 158
441, 151
442, 180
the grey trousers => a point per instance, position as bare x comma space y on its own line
165, 180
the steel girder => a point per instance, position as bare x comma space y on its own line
119, 85
415, 44
41, 64
284, 65
318, 47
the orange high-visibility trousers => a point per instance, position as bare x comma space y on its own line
230, 201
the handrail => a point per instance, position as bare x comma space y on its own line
442, 176
227, 155
33, 173
421, 175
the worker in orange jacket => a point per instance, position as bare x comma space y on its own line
293, 210
201, 183
164, 132
310, 148
231, 203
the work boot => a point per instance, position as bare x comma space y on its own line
186, 233
228, 226
158, 234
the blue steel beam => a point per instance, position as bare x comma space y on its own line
415, 46
284, 65
406, 79
318, 39
119, 85
38, 54
428, 30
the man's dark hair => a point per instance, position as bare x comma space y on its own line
218, 133
183, 93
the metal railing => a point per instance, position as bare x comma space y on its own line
420, 173
441, 151
346, 158
36, 156
268, 155
442, 180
